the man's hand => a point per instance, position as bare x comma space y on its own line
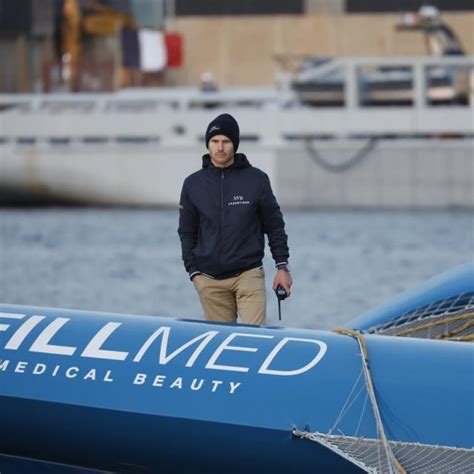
283, 278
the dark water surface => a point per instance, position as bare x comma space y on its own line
128, 261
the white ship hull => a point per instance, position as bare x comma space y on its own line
401, 174
136, 147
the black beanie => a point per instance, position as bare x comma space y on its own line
226, 125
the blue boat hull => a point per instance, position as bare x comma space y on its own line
126, 393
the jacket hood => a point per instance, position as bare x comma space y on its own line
240, 161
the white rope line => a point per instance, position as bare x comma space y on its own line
362, 414
391, 459
345, 408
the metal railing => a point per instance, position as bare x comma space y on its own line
267, 114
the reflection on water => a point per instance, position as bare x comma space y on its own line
129, 261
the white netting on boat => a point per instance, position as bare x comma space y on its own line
449, 319
382, 455
370, 455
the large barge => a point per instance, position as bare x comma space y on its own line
135, 147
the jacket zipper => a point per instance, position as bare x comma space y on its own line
222, 214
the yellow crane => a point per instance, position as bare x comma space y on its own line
97, 20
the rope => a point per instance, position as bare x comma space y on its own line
391, 459
348, 403
454, 332
354, 160
439, 322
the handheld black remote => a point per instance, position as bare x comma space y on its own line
280, 293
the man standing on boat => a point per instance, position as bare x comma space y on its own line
225, 209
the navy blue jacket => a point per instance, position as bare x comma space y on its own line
224, 214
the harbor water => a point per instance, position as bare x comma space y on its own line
129, 260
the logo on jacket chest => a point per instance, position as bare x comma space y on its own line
238, 200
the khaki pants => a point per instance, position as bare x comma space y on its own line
243, 294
